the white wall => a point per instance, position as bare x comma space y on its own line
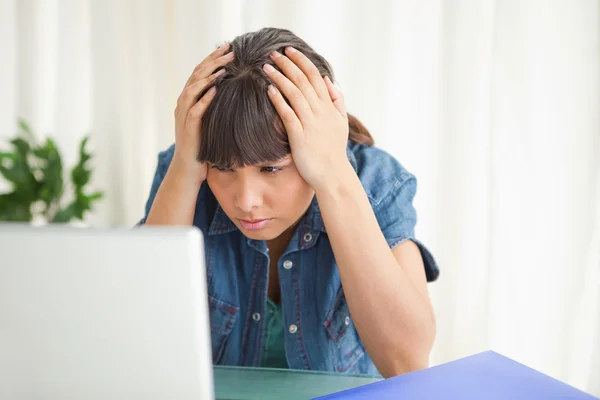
492, 104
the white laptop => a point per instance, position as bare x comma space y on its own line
103, 314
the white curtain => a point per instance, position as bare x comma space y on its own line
494, 105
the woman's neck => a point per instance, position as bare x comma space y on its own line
278, 245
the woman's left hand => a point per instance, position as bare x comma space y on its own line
317, 122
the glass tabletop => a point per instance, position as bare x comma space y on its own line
243, 383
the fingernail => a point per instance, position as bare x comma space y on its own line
275, 54
269, 68
291, 49
221, 47
229, 55
211, 91
272, 89
220, 72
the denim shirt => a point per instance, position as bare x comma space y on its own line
319, 331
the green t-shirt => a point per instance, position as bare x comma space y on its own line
274, 344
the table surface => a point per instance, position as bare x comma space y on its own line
243, 383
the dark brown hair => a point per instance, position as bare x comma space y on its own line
241, 126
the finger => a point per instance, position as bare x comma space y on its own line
294, 74
190, 94
290, 120
310, 71
194, 116
203, 70
336, 96
291, 92
220, 51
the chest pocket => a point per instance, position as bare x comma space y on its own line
346, 345
222, 319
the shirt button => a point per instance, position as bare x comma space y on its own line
307, 237
287, 264
347, 320
256, 316
293, 329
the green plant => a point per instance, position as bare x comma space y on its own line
35, 171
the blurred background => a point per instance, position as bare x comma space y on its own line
493, 105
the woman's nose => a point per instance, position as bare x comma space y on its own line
248, 197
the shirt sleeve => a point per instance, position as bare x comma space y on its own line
159, 175
397, 218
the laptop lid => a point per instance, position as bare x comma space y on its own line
103, 314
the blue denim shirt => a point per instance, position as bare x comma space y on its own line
319, 331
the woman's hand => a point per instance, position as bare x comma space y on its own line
190, 110
175, 200
317, 122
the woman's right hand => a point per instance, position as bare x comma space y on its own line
190, 110
175, 200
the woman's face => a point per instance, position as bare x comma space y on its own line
263, 201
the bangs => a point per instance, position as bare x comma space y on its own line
241, 126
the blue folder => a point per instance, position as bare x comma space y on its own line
486, 375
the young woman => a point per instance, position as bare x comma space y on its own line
308, 230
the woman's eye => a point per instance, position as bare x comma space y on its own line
271, 170
221, 168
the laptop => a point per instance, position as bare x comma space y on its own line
103, 314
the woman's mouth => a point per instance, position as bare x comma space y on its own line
255, 224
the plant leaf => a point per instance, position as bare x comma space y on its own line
22, 146
84, 156
83, 203
64, 215
52, 184
80, 174
41, 152
20, 174
95, 196
7, 156
24, 126
13, 209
